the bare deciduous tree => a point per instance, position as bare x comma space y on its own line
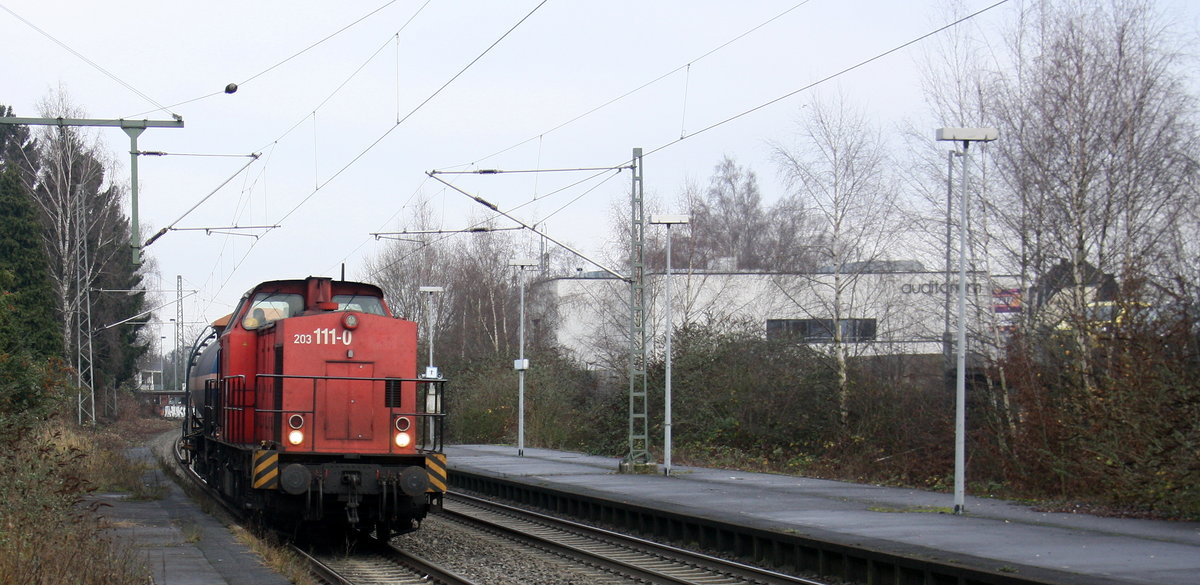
1096, 157
838, 169
728, 221
86, 238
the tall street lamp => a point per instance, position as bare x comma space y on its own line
668, 220
430, 372
966, 136
162, 365
521, 364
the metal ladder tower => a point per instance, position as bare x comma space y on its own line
83, 321
179, 381
639, 437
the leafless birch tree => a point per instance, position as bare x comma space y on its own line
838, 169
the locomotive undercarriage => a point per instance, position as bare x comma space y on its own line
344, 492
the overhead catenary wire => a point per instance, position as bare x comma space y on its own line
195, 154
282, 62
385, 222
384, 135
322, 41
827, 78
508, 215
475, 228
93, 64
610, 177
639, 88
694, 122
480, 226
146, 312
419, 106
743, 113
470, 230
163, 231
168, 108
354, 74
687, 80
514, 171
395, 37
423, 245
225, 229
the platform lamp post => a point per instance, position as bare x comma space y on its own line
668, 220
966, 136
521, 364
162, 365
430, 372
174, 362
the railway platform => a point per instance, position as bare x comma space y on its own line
177, 541
999, 537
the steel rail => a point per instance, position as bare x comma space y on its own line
377, 563
619, 553
393, 566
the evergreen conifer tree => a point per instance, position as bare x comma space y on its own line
24, 273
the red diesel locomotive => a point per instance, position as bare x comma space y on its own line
304, 405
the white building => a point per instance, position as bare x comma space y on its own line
882, 312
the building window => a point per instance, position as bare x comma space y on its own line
821, 330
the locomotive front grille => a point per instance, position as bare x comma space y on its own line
392, 393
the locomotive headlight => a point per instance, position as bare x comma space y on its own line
296, 436
349, 320
403, 440
402, 423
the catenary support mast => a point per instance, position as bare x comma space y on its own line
639, 442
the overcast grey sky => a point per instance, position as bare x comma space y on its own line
335, 165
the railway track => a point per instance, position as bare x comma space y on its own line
373, 563
380, 565
610, 556
604, 556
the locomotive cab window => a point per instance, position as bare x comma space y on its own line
359, 303
267, 308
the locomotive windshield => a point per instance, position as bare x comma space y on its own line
270, 307
360, 303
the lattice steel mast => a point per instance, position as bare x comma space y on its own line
639, 437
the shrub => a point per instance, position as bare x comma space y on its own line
47, 535
739, 392
1125, 432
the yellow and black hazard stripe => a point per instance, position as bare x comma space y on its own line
266, 470
435, 466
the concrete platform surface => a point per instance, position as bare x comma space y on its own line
178, 542
996, 532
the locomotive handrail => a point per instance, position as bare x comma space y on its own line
430, 423
372, 379
299, 411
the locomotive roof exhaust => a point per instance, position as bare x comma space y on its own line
320, 294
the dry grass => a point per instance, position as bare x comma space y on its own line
47, 534
64, 549
280, 558
101, 459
